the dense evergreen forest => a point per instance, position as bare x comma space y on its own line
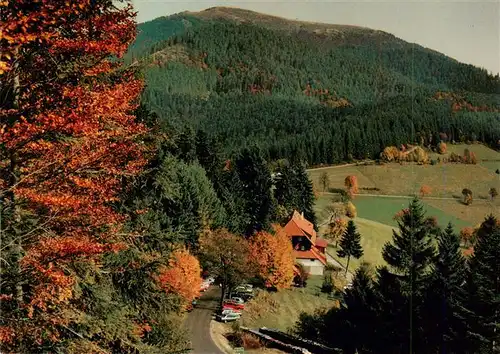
300, 94
429, 298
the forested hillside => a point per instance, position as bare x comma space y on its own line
325, 93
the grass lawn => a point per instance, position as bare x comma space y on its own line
375, 223
336, 176
281, 310
374, 236
473, 214
445, 180
382, 210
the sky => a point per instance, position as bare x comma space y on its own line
468, 31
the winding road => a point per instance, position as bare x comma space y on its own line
198, 323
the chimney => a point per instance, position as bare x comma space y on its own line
302, 215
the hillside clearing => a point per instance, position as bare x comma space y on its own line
382, 210
374, 236
281, 310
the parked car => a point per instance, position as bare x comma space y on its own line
348, 286
244, 288
244, 296
226, 310
233, 306
237, 300
233, 301
204, 286
228, 317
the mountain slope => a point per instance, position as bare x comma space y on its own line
323, 92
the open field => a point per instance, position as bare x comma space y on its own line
486, 157
375, 221
281, 310
382, 210
374, 236
337, 175
471, 214
445, 181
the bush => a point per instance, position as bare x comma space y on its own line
442, 148
350, 210
327, 286
250, 341
467, 194
300, 279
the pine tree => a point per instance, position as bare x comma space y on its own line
361, 310
404, 283
255, 177
306, 195
350, 245
445, 323
484, 290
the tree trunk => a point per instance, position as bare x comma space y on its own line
347, 266
13, 179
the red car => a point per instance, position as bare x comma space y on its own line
233, 306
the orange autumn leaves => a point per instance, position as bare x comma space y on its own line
272, 256
70, 139
181, 276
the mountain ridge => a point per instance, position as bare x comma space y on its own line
254, 79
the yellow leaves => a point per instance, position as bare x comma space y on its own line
182, 276
273, 258
3, 68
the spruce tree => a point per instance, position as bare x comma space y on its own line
484, 290
403, 285
350, 245
360, 313
305, 194
255, 178
445, 324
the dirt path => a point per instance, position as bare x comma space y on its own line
360, 163
198, 323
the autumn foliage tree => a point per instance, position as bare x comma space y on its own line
467, 236
351, 211
226, 256
336, 229
425, 190
182, 276
442, 148
390, 153
351, 184
493, 193
467, 195
68, 144
273, 257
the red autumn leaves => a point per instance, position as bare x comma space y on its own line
69, 140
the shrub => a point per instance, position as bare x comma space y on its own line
442, 148
327, 286
350, 210
425, 190
351, 183
300, 279
250, 341
493, 192
455, 158
467, 236
390, 153
467, 194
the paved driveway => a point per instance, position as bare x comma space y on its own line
198, 323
